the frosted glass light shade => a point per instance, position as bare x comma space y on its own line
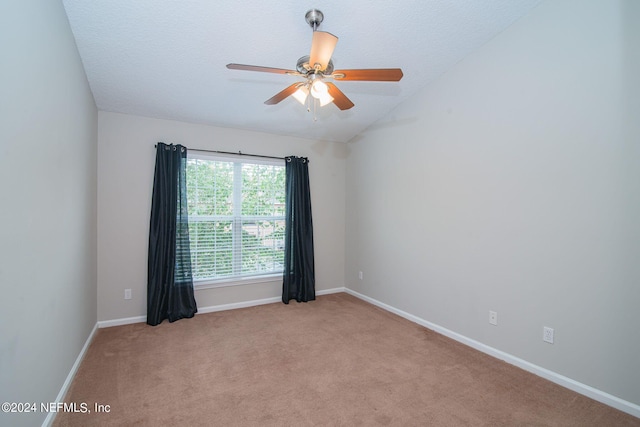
318, 89
325, 99
301, 94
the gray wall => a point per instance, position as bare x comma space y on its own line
126, 159
512, 184
48, 146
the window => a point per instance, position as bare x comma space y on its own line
236, 217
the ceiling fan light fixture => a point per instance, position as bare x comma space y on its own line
319, 88
301, 94
325, 99
320, 91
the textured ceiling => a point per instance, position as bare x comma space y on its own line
166, 59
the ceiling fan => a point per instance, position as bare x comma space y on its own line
318, 67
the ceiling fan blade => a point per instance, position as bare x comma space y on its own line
261, 69
371, 74
339, 98
322, 46
282, 94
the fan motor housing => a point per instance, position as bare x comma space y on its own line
303, 66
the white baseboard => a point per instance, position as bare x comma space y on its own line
120, 322
212, 309
72, 373
591, 392
331, 291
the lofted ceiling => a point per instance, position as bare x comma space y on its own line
167, 59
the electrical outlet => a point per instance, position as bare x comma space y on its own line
127, 294
493, 318
360, 275
547, 335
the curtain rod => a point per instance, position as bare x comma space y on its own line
240, 153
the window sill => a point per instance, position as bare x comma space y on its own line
223, 283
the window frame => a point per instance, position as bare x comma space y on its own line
237, 159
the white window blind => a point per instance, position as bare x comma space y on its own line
236, 208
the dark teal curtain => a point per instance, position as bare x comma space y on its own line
299, 281
169, 281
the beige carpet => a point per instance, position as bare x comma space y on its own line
333, 361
